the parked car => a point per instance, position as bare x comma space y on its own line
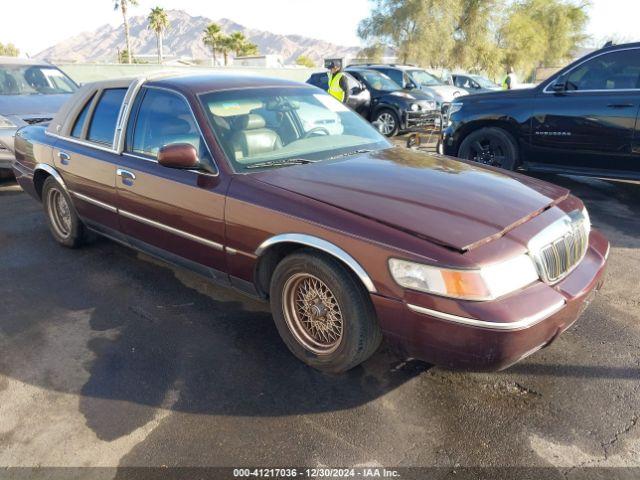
30, 92
411, 77
348, 237
474, 83
359, 96
583, 120
392, 107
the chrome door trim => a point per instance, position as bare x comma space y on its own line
473, 322
121, 172
175, 231
326, 247
81, 142
95, 202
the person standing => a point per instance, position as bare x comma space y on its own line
511, 80
338, 84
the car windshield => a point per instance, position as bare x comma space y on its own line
420, 77
378, 81
273, 127
483, 82
34, 80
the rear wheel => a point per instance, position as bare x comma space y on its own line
64, 223
389, 122
490, 146
322, 313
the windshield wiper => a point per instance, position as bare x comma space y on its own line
279, 163
349, 154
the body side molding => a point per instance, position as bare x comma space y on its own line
326, 247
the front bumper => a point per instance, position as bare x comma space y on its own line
492, 335
420, 120
6, 147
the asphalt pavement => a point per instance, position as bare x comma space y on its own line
109, 358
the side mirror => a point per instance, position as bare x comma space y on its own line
410, 85
179, 155
560, 85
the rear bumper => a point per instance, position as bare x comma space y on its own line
509, 330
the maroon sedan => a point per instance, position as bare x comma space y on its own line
276, 189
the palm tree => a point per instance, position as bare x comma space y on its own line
212, 39
159, 23
225, 46
241, 46
124, 5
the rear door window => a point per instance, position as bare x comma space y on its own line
103, 123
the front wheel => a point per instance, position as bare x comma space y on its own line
323, 314
490, 146
388, 121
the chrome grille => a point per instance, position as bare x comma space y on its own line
559, 248
36, 120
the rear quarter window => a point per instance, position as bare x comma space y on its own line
82, 118
103, 123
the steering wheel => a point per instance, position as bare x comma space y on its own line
317, 130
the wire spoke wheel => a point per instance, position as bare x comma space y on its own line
312, 313
59, 212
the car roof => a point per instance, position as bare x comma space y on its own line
215, 80
4, 60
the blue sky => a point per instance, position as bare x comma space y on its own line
34, 25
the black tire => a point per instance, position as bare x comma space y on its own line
360, 334
69, 232
387, 116
491, 146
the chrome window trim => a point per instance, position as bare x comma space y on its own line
195, 121
572, 92
498, 326
125, 113
169, 229
326, 247
95, 202
147, 159
82, 142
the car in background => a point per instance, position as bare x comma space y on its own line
411, 77
582, 120
393, 108
349, 238
31, 92
359, 96
474, 83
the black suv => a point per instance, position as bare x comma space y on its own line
583, 120
394, 108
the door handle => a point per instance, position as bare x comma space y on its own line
64, 158
127, 176
620, 105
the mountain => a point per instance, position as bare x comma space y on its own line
184, 39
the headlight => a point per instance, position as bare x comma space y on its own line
415, 107
455, 107
487, 283
6, 123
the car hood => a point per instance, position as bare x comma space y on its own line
452, 203
31, 104
448, 93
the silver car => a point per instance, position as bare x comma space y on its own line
31, 92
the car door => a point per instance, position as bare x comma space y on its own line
86, 158
173, 213
589, 124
